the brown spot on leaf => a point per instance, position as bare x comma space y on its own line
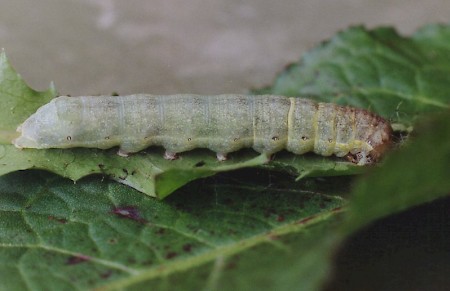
129, 212
60, 220
305, 220
231, 266
171, 255
161, 231
106, 275
74, 260
187, 248
280, 218
272, 236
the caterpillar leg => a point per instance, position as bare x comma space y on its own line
221, 157
359, 158
123, 153
364, 159
126, 148
170, 155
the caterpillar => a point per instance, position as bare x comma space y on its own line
221, 123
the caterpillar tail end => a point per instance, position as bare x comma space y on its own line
27, 139
24, 142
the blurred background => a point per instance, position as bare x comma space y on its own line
182, 46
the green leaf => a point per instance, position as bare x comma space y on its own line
101, 233
399, 78
410, 176
244, 231
18, 100
149, 173
413, 176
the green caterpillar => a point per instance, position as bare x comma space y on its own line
221, 123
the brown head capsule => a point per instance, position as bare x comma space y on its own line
378, 136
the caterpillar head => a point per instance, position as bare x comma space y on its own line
379, 139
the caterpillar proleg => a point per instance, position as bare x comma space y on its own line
221, 123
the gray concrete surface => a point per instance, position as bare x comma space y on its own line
172, 46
